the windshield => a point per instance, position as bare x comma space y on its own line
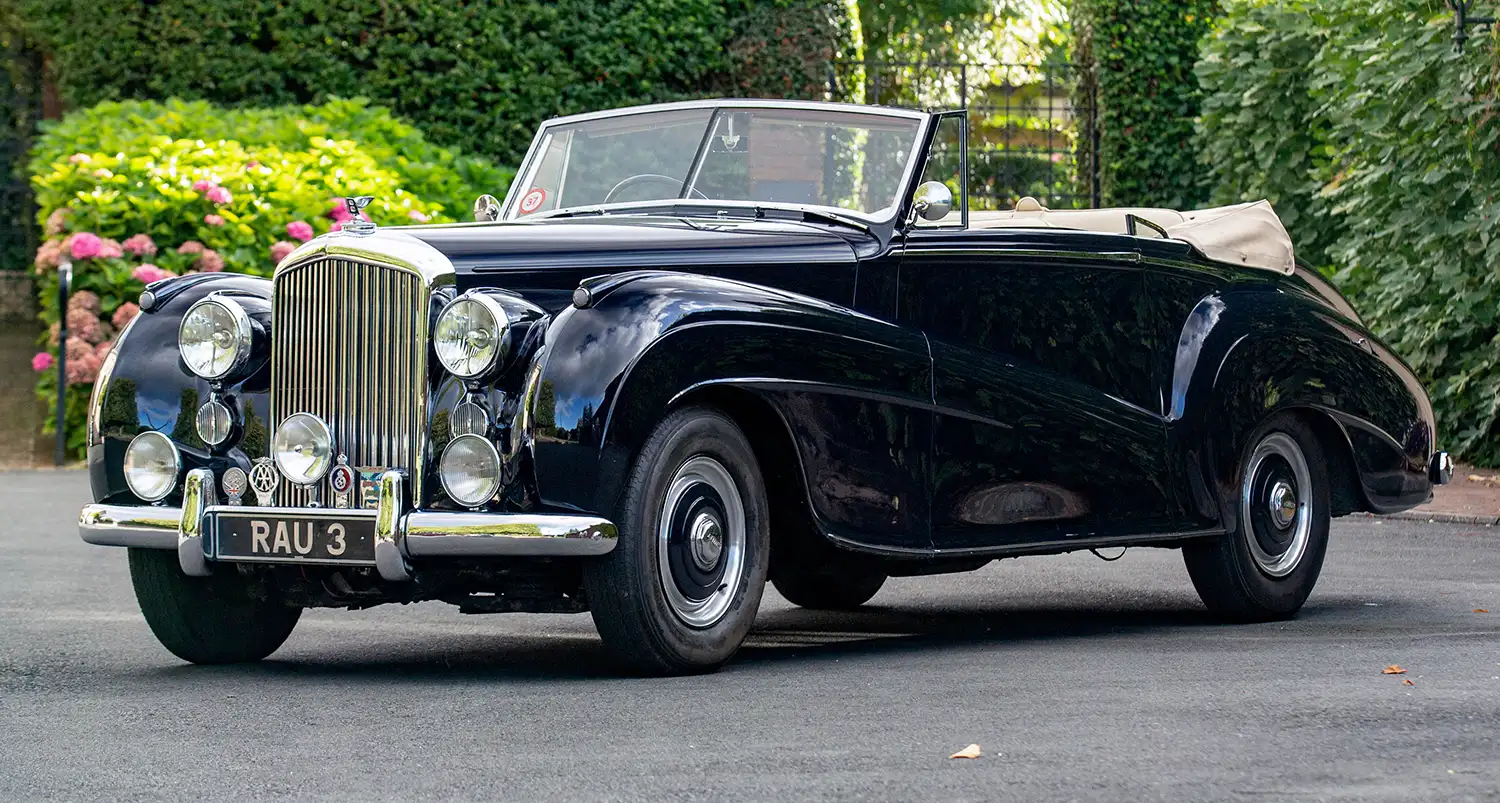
849, 161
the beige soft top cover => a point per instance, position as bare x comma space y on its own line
1246, 234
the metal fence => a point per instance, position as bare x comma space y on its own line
1026, 130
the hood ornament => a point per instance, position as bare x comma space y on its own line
358, 224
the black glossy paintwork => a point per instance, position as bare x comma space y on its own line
966, 391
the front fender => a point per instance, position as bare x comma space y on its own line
1246, 355
144, 385
854, 392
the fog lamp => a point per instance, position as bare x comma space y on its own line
303, 448
214, 423
151, 466
470, 470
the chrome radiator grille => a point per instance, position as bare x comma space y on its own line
349, 346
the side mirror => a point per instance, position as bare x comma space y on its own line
486, 209
933, 200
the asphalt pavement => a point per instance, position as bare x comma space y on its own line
1079, 679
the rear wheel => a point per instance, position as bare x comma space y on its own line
681, 588
207, 620
1267, 566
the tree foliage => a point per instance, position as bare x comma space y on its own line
1136, 57
1381, 144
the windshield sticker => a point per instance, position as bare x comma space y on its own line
532, 201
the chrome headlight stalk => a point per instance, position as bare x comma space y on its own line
215, 337
472, 336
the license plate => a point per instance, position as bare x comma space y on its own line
341, 537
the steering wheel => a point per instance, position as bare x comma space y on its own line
640, 178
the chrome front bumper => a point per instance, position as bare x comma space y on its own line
400, 536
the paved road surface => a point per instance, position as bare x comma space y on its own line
1080, 679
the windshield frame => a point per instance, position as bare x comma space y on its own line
534, 154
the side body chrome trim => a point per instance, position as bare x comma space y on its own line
444, 534
197, 497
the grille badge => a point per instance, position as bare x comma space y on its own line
235, 484
263, 480
341, 480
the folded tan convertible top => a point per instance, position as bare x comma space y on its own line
1247, 234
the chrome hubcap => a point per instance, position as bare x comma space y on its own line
707, 539
701, 542
1274, 505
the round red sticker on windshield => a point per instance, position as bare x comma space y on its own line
532, 201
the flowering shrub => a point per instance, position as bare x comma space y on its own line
132, 193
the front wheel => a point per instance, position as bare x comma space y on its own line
207, 620
1266, 567
681, 588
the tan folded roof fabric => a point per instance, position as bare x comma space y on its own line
1247, 234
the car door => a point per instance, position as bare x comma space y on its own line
1047, 422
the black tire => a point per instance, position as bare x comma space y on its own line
643, 630
1238, 576
835, 587
207, 620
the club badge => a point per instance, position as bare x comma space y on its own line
235, 483
341, 480
263, 480
369, 486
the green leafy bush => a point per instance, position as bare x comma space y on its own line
134, 192
1136, 58
474, 73
1387, 157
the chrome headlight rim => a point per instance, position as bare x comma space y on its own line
176, 465
243, 335
325, 435
489, 452
502, 333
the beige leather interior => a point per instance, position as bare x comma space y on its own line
1247, 234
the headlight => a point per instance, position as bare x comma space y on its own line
470, 470
151, 466
472, 335
214, 338
303, 448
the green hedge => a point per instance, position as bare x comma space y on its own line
133, 192
1138, 55
1382, 145
473, 73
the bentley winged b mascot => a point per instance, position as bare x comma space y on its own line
705, 345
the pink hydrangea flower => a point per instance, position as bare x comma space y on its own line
109, 249
84, 326
340, 213
219, 195
281, 249
252, 164
41, 362
85, 300
56, 221
209, 262
85, 245
48, 255
148, 273
124, 314
213, 220
299, 230
102, 350
203, 185
83, 364
191, 247
417, 216
140, 245
79, 159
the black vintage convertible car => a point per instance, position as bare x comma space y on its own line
704, 345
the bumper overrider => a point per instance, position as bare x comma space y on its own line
402, 537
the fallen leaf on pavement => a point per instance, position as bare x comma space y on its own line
1481, 610
1407, 682
1393, 669
972, 751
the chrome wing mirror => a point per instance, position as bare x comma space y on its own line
486, 209
932, 201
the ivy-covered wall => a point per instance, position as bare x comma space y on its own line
472, 73
1138, 56
1380, 145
